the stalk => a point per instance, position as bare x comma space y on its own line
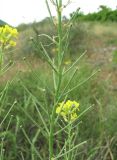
59, 78
69, 141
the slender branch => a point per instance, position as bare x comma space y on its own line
82, 82
75, 147
74, 63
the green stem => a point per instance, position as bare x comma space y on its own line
59, 10
59, 80
69, 141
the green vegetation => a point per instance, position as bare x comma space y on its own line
98, 125
103, 15
27, 90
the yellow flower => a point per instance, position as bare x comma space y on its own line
68, 110
7, 35
1, 29
14, 32
73, 116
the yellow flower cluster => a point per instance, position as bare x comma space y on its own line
7, 35
68, 110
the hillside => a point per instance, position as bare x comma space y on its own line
95, 37
2, 23
99, 39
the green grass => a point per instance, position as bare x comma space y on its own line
98, 125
